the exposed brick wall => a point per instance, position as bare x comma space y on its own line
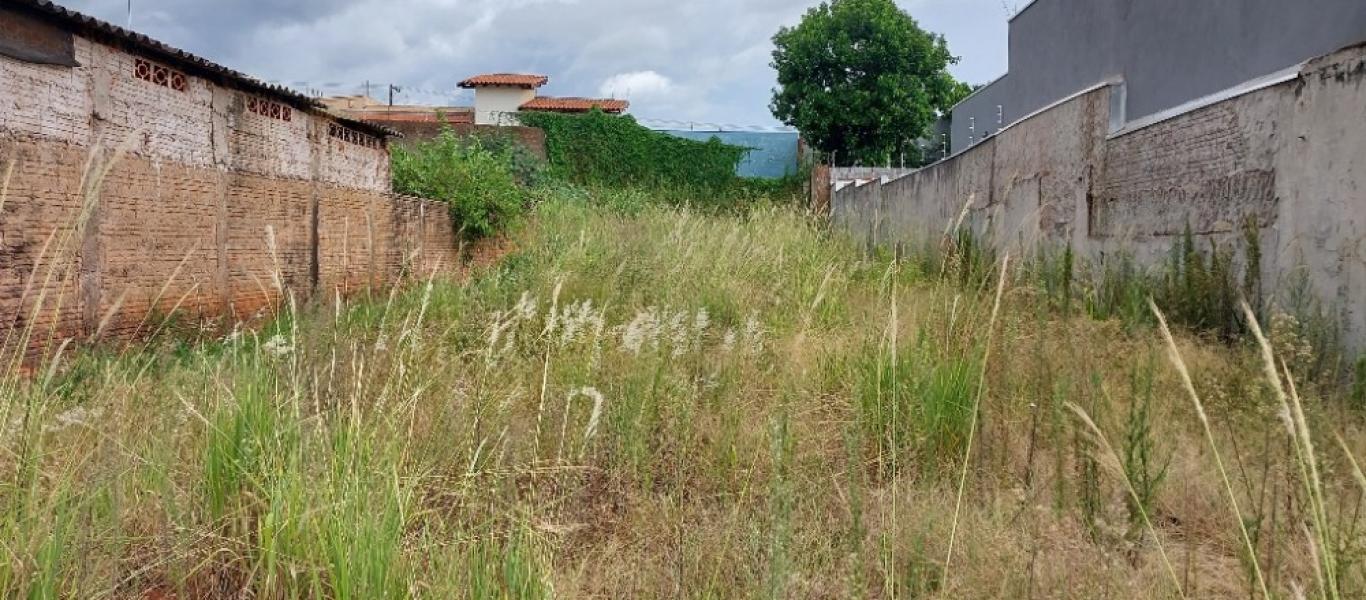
147, 118
127, 199
351, 244
267, 241
262, 144
151, 245
47, 101
348, 165
40, 241
1210, 168
438, 228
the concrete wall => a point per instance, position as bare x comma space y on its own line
1169, 52
121, 198
495, 105
1291, 155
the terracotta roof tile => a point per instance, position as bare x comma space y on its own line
521, 80
575, 105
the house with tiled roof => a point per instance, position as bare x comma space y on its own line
499, 96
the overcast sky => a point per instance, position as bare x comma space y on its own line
686, 60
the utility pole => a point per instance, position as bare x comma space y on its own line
130, 15
393, 88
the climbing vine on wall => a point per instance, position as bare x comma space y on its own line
601, 149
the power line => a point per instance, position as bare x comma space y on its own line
400, 90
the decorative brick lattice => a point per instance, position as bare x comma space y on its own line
162, 76
352, 136
273, 110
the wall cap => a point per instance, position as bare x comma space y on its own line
1242, 89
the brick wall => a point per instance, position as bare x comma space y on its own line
46, 100
123, 199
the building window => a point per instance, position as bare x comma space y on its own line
162, 76
351, 136
273, 110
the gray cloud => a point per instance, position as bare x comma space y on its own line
710, 55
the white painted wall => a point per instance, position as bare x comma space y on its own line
495, 105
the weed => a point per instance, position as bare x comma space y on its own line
916, 410
480, 185
1139, 446
1359, 384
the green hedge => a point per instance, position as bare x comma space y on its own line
601, 149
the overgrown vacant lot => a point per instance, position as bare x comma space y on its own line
659, 404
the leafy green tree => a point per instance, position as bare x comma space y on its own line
862, 80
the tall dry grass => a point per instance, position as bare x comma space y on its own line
663, 404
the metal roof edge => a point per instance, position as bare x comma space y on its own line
1021, 11
1247, 87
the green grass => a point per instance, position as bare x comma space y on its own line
656, 402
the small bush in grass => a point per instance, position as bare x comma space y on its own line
1119, 290
480, 185
1141, 463
1200, 290
915, 403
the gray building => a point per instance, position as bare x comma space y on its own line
1166, 53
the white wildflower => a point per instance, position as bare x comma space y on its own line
575, 320
233, 337
753, 333
701, 321
526, 307
678, 334
728, 341
642, 331
496, 331
596, 415
79, 416
552, 317
278, 345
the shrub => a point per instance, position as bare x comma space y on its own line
1201, 290
479, 184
